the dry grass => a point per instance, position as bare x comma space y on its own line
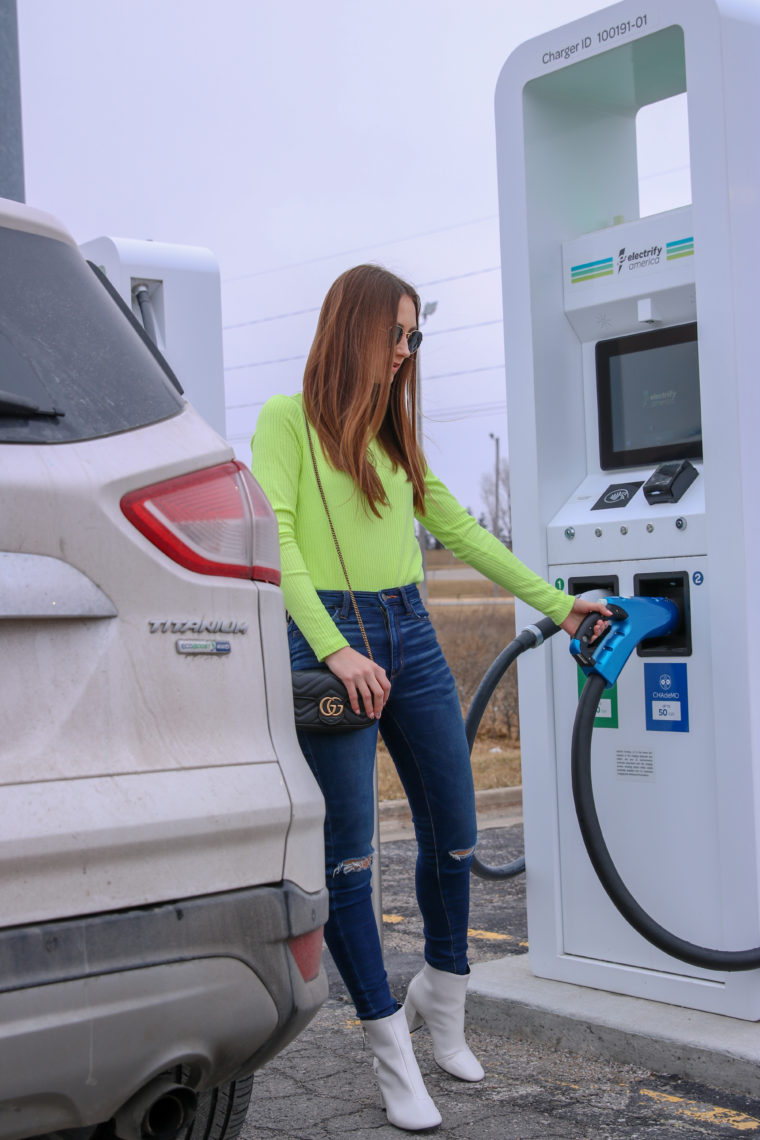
464, 588
471, 636
494, 765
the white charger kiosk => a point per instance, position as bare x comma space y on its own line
632, 353
174, 292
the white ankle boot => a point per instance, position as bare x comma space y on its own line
437, 998
402, 1088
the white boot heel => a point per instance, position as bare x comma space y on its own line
402, 1088
414, 1018
437, 999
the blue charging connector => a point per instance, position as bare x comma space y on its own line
633, 620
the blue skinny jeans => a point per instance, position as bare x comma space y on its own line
423, 730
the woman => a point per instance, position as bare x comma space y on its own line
359, 399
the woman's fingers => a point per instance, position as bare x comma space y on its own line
372, 688
365, 681
581, 607
381, 691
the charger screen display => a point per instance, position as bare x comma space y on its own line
648, 397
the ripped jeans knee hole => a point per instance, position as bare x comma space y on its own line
348, 866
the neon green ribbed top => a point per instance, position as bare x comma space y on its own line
379, 553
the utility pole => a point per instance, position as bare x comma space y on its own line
495, 438
11, 146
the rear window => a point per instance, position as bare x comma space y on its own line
72, 365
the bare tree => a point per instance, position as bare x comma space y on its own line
503, 527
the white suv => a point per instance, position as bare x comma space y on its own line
161, 872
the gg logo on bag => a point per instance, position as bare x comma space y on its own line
331, 706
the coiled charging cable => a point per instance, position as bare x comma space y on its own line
529, 638
602, 659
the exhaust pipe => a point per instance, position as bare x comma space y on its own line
162, 1110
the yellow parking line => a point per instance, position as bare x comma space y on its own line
480, 935
492, 936
709, 1114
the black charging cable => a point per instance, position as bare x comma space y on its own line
598, 853
588, 820
529, 638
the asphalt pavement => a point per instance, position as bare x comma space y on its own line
322, 1085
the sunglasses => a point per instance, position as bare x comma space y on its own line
414, 339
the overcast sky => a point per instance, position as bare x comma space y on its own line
295, 138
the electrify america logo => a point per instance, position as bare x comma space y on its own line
639, 258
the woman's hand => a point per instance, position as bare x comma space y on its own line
580, 608
364, 680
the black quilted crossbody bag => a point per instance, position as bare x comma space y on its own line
320, 699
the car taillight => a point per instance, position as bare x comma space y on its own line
307, 951
213, 521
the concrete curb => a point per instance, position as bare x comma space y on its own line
505, 998
488, 802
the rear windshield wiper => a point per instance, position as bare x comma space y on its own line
13, 405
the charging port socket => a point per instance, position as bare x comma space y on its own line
607, 584
676, 587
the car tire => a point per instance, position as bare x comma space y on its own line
221, 1111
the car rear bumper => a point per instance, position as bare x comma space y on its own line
92, 1009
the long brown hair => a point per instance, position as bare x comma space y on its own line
350, 394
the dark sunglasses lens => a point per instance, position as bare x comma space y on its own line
398, 332
414, 340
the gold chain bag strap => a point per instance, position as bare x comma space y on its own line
320, 699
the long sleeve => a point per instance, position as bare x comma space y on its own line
379, 553
458, 531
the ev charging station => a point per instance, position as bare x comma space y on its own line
632, 356
174, 292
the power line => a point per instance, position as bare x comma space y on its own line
315, 308
261, 363
436, 376
361, 248
250, 404
431, 333
465, 411
459, 276
277, 317
463, 328
463, 372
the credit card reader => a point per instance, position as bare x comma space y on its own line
669, 482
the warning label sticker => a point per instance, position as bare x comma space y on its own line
634, 764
